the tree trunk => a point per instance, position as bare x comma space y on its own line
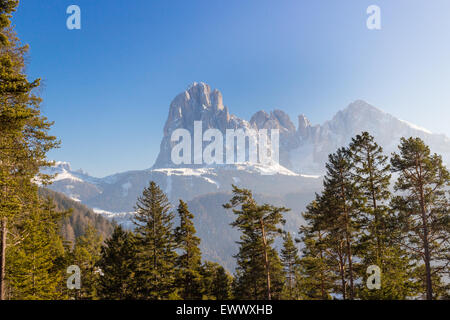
347, 238
266, 260
322, 276
426, 247
343, 282
375, 211
3, 259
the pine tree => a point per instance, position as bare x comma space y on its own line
423, 208
258, 263
24, 139
156, 257
118, 266
323, 261
372, 177
379, 227
189, 262
344, 201
291, 264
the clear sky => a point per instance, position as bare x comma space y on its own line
108, 86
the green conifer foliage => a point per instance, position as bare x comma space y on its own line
377, 245
118, 266
156, 245
291, 266
24, 139
423, 210
189, 261
86, 255
259, 265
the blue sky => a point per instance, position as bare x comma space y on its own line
108, 86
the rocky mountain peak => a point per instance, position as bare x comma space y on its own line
303, 149
277, 119
61, 165
303, 125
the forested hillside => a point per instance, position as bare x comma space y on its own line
74, 224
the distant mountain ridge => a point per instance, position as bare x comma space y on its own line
303, 148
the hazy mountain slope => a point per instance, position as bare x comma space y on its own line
73, 226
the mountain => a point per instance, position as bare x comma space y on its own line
316, 142
303, 152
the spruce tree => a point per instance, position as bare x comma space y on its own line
291, 264
423, 209
259, 265
156, 255
189, 261
118, 266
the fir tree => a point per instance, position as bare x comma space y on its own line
118, 266
423, 208
258, 263
189, 261
156, 257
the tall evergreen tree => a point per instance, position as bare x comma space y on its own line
423, 208
372, 175
24, 139
324, 260
344, 202
258, 263
189, 261
156, 245
376, 246
118, 266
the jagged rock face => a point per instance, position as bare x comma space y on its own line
200, 103
304, 149
278, 119
197, 103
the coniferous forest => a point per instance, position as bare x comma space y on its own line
375, 212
